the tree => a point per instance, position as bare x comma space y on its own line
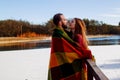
50, 26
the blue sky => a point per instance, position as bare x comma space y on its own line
40, 11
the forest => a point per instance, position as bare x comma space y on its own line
20, 28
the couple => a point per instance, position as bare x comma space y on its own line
69, 50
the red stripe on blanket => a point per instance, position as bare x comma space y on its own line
61, 45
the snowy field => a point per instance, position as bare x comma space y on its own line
33, 64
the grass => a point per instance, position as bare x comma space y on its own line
7, 41
96, 36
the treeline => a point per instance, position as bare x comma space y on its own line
98, 27
14, 28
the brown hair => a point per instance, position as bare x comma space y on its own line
80, 28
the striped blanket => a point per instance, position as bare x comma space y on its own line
67, 59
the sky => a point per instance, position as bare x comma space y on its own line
40, 11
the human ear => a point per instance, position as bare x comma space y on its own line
60, 23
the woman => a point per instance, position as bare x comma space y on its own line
78, 29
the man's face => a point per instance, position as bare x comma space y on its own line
63, 21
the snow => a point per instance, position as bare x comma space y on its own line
108, 60
32, 64
24, 64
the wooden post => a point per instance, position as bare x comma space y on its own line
94, 72
89, 74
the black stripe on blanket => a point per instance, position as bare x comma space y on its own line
66, 69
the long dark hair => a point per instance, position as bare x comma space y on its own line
80, 28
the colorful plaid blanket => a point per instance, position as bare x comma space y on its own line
67, 59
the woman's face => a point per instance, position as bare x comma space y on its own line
72, 24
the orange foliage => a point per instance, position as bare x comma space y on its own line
32, 34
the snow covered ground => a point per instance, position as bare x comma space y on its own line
108, 59
33, 64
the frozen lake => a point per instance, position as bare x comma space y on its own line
32, 64
107, 40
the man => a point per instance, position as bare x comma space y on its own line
65, 58
60, 21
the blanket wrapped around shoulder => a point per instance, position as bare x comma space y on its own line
67, 59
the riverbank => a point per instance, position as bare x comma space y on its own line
18, 39
4, 40
8, 41
98, 36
